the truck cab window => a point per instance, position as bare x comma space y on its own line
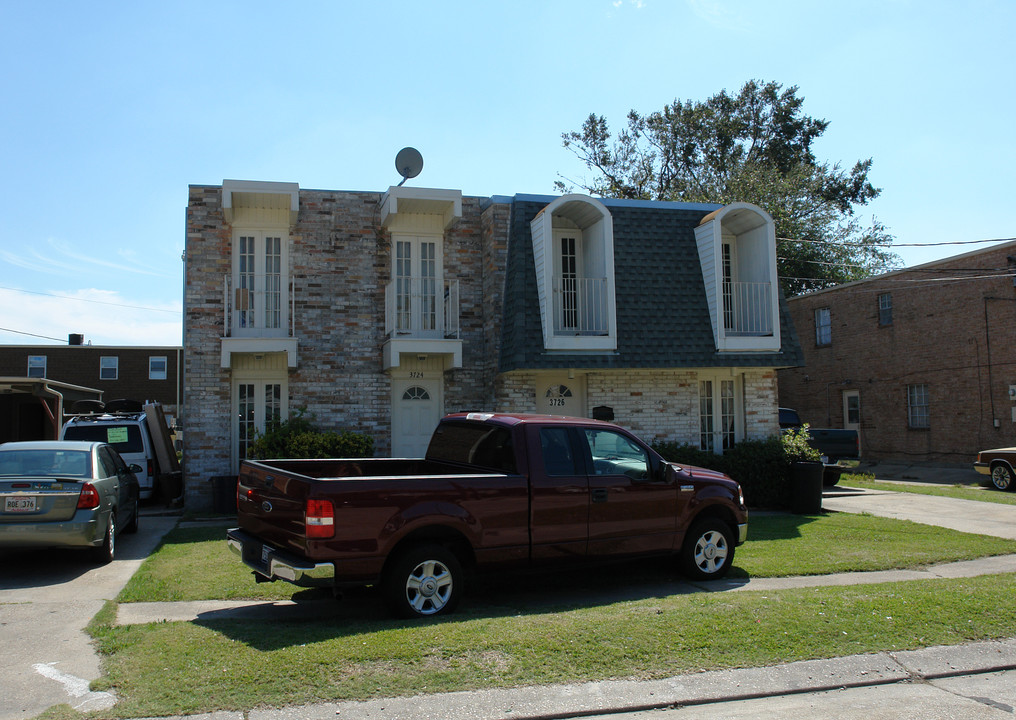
614, 454
558, 458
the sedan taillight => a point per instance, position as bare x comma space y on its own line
89, 497
320, 519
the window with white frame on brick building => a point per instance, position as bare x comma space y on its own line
109, 368
917, 407
885, 309
36, 366
823, 327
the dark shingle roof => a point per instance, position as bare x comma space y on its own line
662, 314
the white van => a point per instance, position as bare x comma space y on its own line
129, 435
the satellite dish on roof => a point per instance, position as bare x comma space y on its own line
409, 163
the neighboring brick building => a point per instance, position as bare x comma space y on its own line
380, 312
921, 361
137, 373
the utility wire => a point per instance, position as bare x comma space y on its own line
96, 302
19, 332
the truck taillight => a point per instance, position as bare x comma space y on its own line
320, 519
89, 497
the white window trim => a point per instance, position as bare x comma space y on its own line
827, 325
165, 369
114, 366
739, 417
593, 219
37, 365
745, 227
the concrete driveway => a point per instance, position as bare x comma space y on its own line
46, 600
970, 516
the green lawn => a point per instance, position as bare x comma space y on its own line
632, 621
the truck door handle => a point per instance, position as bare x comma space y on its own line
599, 495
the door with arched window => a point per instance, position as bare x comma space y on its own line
416, 409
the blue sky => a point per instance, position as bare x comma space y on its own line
111, 109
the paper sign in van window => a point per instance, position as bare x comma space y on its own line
116, 435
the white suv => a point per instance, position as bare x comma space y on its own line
128, 434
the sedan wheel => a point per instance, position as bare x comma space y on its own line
1001, 477
105, 552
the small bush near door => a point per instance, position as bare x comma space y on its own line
298, 438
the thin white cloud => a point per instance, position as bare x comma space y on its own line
65, 260
104, 317
718, 13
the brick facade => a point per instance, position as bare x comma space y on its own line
340, 260
953, 333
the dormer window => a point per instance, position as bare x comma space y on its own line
737, 249
573, 247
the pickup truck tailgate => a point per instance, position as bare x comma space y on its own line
272, 505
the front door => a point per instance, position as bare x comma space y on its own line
852, 409
416, 409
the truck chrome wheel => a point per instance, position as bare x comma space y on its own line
423, 582
429, 587
711, 552
708, 549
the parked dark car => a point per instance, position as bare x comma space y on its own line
833, 444
66, 494
998, 464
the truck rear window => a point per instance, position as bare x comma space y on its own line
474, 444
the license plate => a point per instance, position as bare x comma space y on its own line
265, 554
19, 503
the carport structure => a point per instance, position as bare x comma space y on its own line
33, 408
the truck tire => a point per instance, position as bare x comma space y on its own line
424, 581
708, 549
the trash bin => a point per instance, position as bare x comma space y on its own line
224, 494
806, 487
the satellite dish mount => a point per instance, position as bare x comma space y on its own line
409, 163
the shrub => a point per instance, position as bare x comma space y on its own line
298, 438
761, 466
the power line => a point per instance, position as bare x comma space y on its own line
96, 302
45, 337
894, 244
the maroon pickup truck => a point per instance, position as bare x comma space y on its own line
494, 491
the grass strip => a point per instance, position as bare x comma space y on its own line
233, 665
962, 492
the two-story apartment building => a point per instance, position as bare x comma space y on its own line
922, 361
380, 312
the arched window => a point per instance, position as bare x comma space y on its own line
416, 393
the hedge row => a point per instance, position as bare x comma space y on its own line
763, 467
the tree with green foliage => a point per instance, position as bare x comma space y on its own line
755, 146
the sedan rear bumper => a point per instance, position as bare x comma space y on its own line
82, 530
